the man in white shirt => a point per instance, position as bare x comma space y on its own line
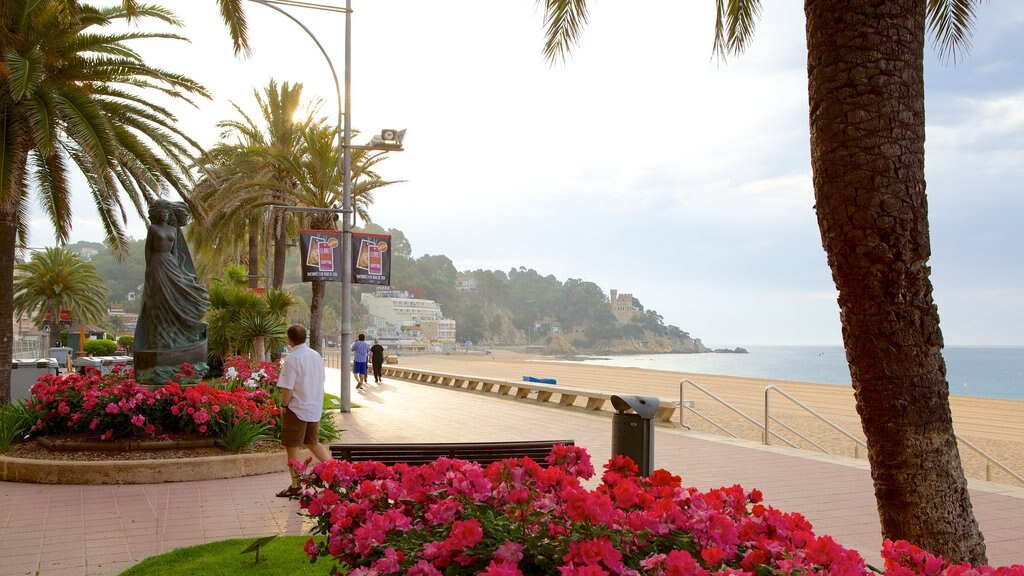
302, 400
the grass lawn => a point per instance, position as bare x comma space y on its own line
282, 556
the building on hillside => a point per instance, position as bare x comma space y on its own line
622, 307
396, 313
441, 331
465, 284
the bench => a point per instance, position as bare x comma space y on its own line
424, 453
591, 399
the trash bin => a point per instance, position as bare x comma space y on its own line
633, 433
105, 364
61, 354
24, 374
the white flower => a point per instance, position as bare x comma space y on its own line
250, 383
231, 373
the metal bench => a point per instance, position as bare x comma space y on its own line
424, 453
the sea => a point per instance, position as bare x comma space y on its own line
987, 372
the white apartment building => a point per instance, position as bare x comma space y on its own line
397, 308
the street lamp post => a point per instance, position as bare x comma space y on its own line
389, 140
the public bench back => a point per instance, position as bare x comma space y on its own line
423, 453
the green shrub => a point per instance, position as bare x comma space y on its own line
15, 422
329, 431
127, 342
241, 435
100, 347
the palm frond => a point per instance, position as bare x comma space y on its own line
564, 20
735, 21
951, 24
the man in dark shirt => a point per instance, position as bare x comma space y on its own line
377, 358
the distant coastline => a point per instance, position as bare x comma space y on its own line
988, 372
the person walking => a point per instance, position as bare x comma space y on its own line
302, 400
377, 358
360, 350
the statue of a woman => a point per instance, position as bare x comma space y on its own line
170, 329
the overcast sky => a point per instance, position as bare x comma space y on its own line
642, 164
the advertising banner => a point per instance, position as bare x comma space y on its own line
371, 259
320, 251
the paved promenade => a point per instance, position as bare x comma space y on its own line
69, 530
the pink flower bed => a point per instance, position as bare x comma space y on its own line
115, 405
517, 517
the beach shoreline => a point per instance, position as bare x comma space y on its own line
995, 426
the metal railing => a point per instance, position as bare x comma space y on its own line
683, 407
768, 418
767, 434
989, 461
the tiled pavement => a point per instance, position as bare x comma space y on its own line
71, 530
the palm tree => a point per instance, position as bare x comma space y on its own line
54, 280
240, 179
71, 96
243, 321
866, 90
317, 183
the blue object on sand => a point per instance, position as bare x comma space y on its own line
539, 380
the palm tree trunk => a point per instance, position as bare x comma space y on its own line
55, 327
8, 243
280, 250
260, 345
254, 253
866, 86
316, 315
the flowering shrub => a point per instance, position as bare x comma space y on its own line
250, 373
516, 517
115, 405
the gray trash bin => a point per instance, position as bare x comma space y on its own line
633, 433
60, 354
105, 364
24, 374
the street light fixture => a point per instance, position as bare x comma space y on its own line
389, 140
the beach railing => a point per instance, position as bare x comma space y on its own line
989, 461
684, 406
768, 419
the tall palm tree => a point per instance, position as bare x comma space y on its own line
866, 90
72, 97
317, 183
240, 179
54, 280
226, 232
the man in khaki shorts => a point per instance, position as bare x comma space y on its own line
302, 400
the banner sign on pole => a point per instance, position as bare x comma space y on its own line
371, 259
320, 251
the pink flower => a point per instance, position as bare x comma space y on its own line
509, 553
464, 534
202, 429
311, 548
107, 435
501, 569
138, 420
113, 408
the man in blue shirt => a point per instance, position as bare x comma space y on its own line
360, 348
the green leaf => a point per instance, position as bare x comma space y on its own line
26, 72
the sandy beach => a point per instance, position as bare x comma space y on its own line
993, 425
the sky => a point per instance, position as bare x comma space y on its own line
642, 163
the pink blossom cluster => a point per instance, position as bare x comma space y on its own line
517, 517
904, 559
250, 373
115, 405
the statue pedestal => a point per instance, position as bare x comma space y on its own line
156, 367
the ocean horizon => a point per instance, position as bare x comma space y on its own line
982, 371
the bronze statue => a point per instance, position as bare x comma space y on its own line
170, 329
